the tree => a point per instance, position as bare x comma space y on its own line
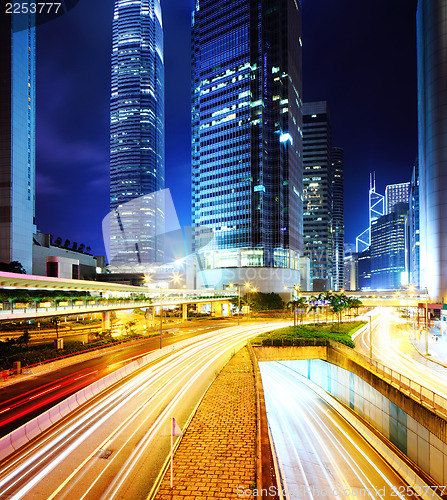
299, 303
326, 296
313, 302
129, 327
25, 338
55, 320
264, 301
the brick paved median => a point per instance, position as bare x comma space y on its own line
216, 458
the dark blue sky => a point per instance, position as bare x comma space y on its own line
360, 56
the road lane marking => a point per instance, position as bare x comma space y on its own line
44, 392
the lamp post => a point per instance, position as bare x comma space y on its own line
294, 288
231, 285
175, 278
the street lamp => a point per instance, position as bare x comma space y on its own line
175, 277
231, 285
294, 288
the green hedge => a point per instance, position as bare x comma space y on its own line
310, 334
43, 352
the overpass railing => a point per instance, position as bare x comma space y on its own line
8, 308
416, 391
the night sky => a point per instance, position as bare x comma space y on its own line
360, 56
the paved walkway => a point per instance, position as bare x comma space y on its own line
216, 457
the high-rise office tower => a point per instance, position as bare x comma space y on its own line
136, 134
376, 210
17, 137
413, 229
396, 193
388, 249
246, 142
432, 132
318, 193
338, 231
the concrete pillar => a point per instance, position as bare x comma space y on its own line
218, 308
105, 320
225, 308
153, 316
213, 309
184, 312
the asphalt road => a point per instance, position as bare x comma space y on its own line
320, 454
23, 401
391, 346
130, 420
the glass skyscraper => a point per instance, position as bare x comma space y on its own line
396, 193
432, 138
247, 142
338, 230
137, 134
413, 228
17, 137
388, 252
318, 193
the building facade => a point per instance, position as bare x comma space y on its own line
246, 142
413, 229
338, 225
396, 193
350, 276
364, 269
388, 249
318, 187
432, 138
137, 170
17, 138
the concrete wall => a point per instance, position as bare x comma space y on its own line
411, 437
418, 432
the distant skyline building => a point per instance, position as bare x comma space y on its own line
246, 94
432, 138
17, 138
414, 229
137, 134
338, 231
376, 209
350, 275
396, 193
388, 249
364, 269
318, 193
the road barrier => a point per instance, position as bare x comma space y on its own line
426, 397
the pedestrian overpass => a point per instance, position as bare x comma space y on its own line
400, 298
106, 297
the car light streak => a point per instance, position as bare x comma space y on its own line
66, 381
387, 351
179, 383
179, 371
136, 454
306, 421
86, 375
44, 392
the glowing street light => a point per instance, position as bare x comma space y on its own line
231, 285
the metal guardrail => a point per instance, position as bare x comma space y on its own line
416, 391
296, 342
168, 299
